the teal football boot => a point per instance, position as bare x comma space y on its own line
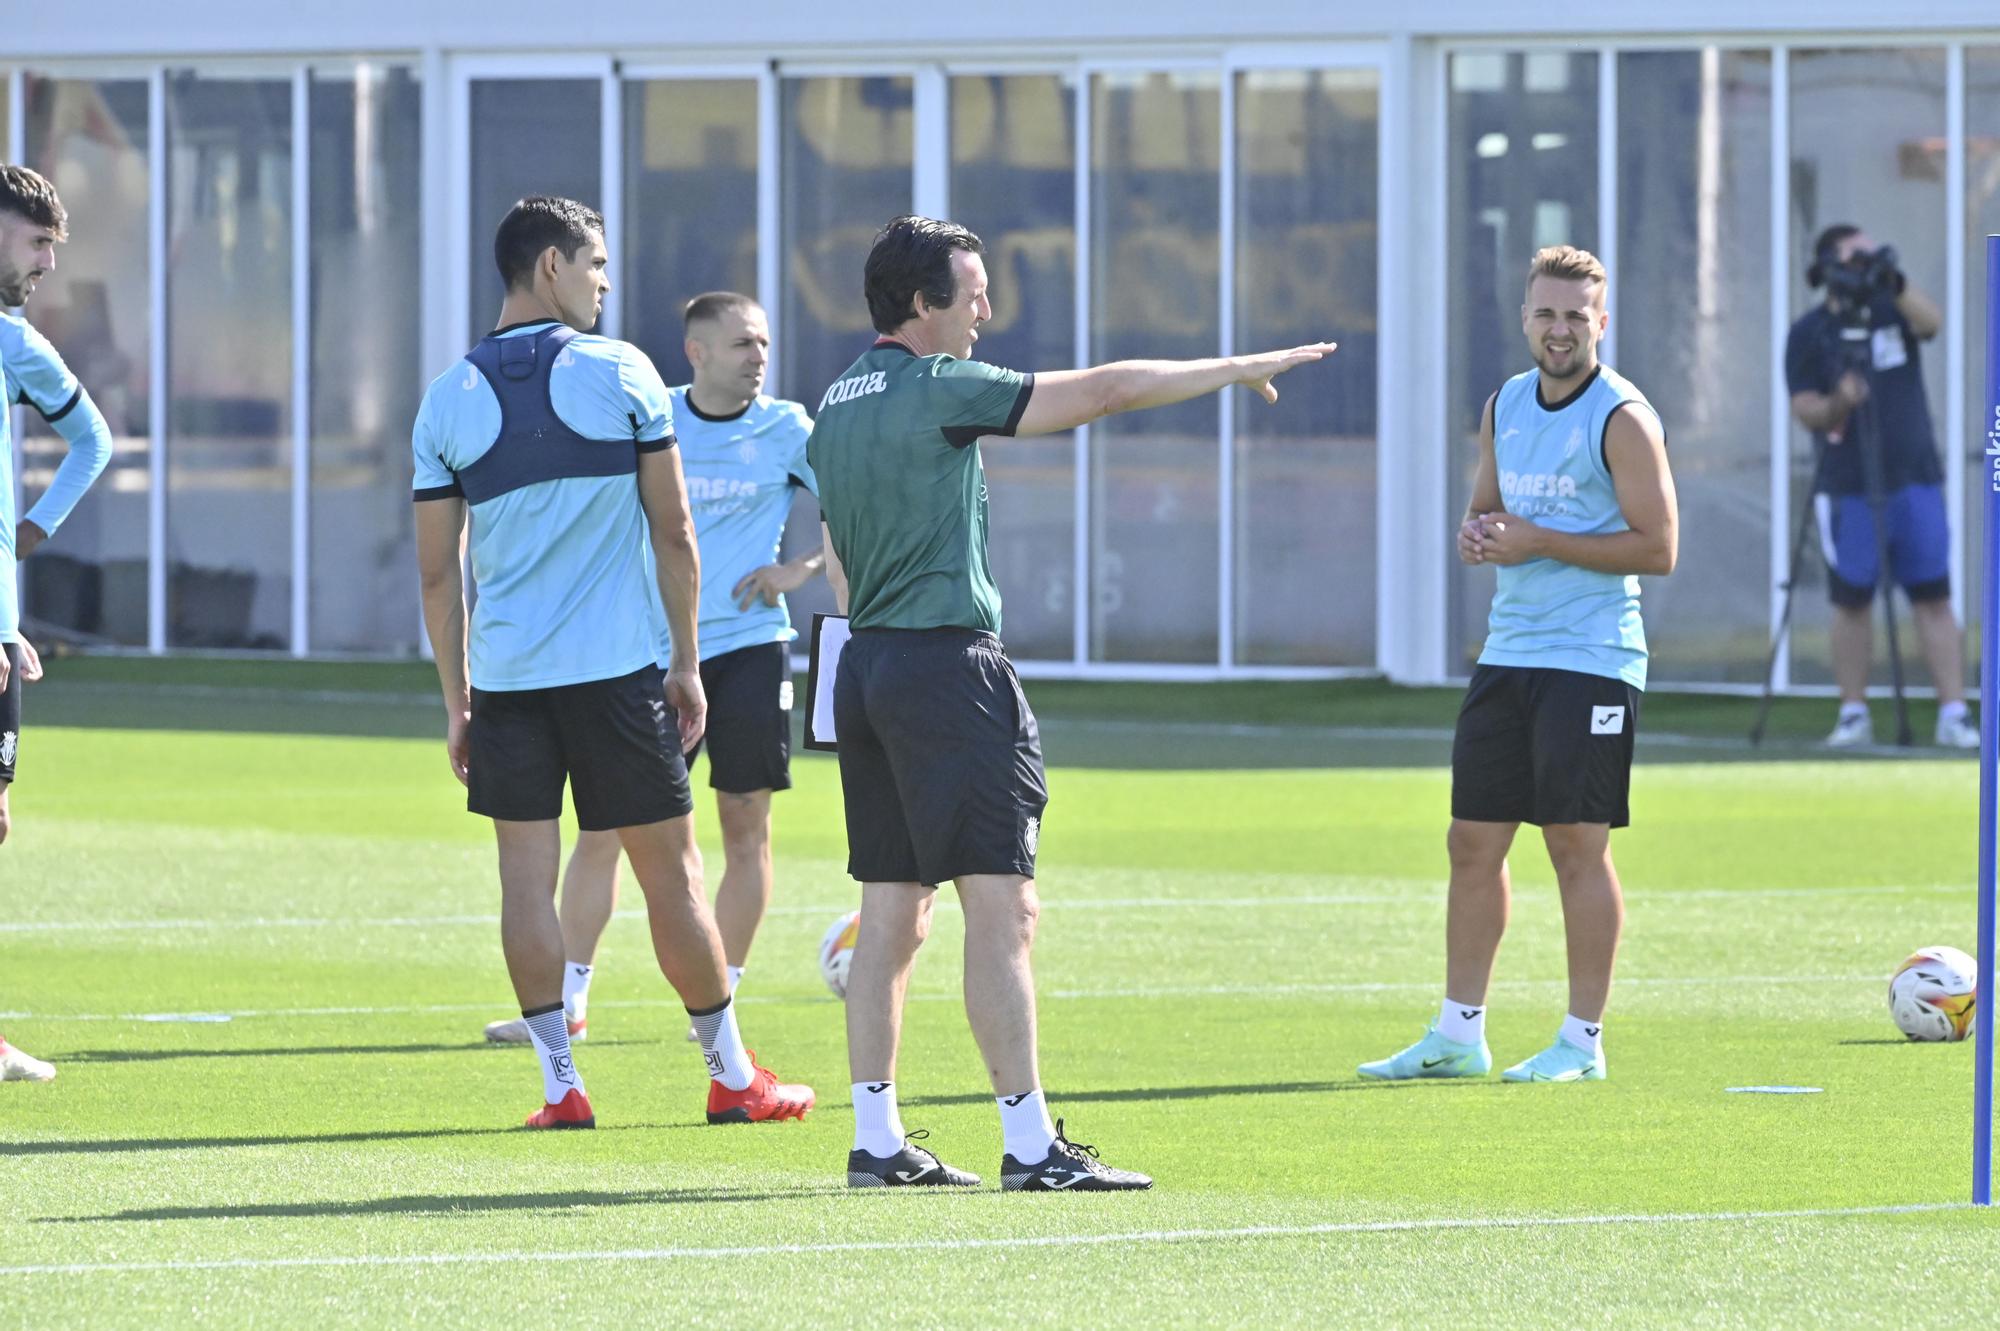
1561, 1061
1432, 1056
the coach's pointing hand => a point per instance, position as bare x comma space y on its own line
1259, 371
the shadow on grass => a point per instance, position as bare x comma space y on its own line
162, 1055
469, 1203
1145, 1094
120, 1145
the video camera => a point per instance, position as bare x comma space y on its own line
1853, 285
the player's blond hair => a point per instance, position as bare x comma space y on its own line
1566, 263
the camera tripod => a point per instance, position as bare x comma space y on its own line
1860, 434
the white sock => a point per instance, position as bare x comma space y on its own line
550, 1036
878, 1122
1849, 709
1585, 1035
1462, 1023
576, 989
1952, 711
1024, 1122
735, 978
722, 1044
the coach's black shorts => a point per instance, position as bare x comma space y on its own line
1543, 746
614, 740
749, 737
10, 712
940, 758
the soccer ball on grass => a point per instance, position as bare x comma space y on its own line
836, 951
1933, 995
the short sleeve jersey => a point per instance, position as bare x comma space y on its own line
36, 376
10, 601
1897, 405
742, 472
558, 538
895, 445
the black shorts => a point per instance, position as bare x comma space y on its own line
613, 740
749, 737
1543, 747
10, 713
940, 757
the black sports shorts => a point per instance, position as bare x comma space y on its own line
940, 757
749, 737
613, 740
1543, 746
10, 711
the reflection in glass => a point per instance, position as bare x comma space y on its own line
1522, 156
846, 171
1693, 295
1013, 181
1306, 214
1884, 171
91, 139
366, 149
1156, 147
690, 205
229, 343
529, 136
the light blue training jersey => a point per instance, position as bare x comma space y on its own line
1552, 471
559, 539
10, 594
36, 376
741, 471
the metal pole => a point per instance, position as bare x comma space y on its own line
1989, 738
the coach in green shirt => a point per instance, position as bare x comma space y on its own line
940, 758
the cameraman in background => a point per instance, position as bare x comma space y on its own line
1861, 346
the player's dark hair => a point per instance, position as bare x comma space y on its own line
30, 194
1826, 251
715, 304
913, 254
532, 226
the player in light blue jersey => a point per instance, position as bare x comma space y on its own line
32, 223
744, 457
557, 448
1572, 501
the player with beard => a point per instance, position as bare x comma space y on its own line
1572, 500
32, 223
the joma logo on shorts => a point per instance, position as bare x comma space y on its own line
845, 390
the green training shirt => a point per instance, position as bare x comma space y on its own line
895, 447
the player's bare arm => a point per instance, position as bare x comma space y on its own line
1635, 448
1065, 399
836, 576
670, 527
768, 583
1826, 413
1485, 492
1926, 320
441, 579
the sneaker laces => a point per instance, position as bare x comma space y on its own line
910, 1140
1075, 1150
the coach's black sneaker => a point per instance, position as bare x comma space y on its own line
911, 1167
1070, 1167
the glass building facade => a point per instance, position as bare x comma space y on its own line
270, 259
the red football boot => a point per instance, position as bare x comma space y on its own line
764, 1098
573, 1111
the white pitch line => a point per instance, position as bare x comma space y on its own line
1413, 889
1155, 991
1244, 1232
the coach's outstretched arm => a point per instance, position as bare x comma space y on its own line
1065, 399
677, 561
440, 545
1635, 449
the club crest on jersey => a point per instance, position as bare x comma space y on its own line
746, 452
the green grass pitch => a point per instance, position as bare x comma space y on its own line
1235, 916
